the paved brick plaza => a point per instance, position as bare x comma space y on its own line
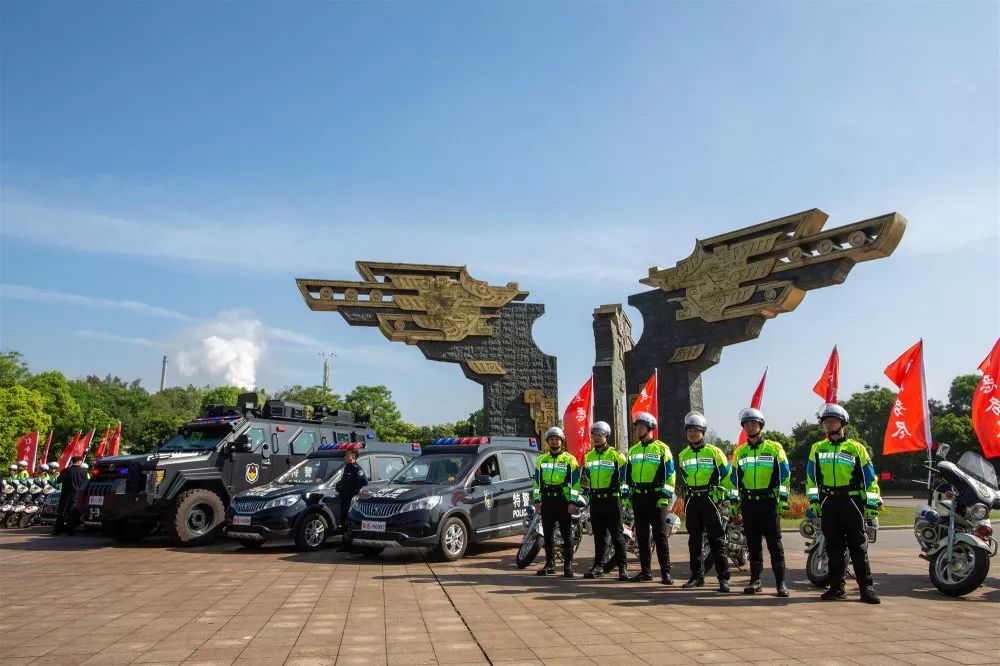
80, 600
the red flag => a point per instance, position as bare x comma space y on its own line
986, 405
647, 401
909, 427
829, 383
102, 447
116, 438
577, 419
83, 447
27, 449
48, 443
755, 401
69, 451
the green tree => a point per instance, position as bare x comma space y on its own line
122, 401
21, 411
311, 396
60, 405
787, 441
185, 401
377, 402
13, 370
476, 422
960, 394
221, 395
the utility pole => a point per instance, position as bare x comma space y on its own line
326, 368
163, 374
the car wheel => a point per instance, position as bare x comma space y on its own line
197, 518
454, 539
311, 533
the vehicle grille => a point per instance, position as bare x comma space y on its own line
100, 488
378, 509
248, 505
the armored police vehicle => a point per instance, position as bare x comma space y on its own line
303, 504
186, 485
459, 491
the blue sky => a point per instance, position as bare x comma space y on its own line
168, 169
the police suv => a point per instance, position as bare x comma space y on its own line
459, 491
302, 504
186, 484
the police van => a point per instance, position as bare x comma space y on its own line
302, 504
459, 491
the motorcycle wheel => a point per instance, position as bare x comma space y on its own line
526, 554
12, 519
27, 519
965, 572
818, 567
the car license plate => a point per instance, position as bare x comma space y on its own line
241, 520
373, 526
96, 500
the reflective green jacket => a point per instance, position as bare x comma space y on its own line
841, 467
556, 474
650, 468
760, 468
604, 471
706, 468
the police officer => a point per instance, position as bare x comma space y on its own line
649, 486
603, 473
705, 470
71, 480
556, 493
843, 491
22, 470
760, 475
12, 472
43, 473
352, 480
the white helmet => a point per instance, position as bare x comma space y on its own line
555, 431
695, 420
44, 467
646, 419
601, 428
836, 411
752, 414
84, 465
12, 467
22, 463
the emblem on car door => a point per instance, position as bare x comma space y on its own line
253, 471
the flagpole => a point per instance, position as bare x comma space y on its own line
927, 418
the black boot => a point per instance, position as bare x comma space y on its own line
695, 581
782, 589
754, 587
623, 572
835, 593
779, 581
723, 585
609, 566
568, 570
666, 578
641, 577
868, 596
595, 571
548, 570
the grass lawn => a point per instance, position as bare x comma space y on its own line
892, 517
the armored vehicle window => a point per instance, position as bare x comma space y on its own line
256, 436
196, 439
514, 466
303, 444
388, 466
343, 437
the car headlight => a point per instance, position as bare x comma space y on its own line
978, 511
421, 504
287, 500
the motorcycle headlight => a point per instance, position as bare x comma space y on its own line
287, 500
422, 504
978, 512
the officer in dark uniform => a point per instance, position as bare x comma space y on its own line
70, 481
351, 482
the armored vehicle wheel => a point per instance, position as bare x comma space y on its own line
197, 518
454, 540
311, 533
123, 531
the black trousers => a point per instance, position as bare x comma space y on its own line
703, 518
67, 517
843, 525
345, 508
555, 511
649, 518
606, 519
761, 520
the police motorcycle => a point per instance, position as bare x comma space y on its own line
22, 497
7, 499
953, 529
534, 536
735, 539
817, 562
33, 508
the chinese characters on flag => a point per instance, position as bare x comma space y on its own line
829, 383
755, 401
986, 405
909, 426
647, 402
27, 448
576, 421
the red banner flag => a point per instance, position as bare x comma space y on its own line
986, 405
758, 397
116, 438
69, 451
27, 449
83, 448
102, 447
829, 383
909, 427
647, 401
48, 445
577, 419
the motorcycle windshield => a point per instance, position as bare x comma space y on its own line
978, 468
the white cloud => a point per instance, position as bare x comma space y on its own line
22, 293
113, 337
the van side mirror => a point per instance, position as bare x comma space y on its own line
242, 444
483, 480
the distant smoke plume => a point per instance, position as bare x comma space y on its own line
225, 350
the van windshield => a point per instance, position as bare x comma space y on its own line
435, 469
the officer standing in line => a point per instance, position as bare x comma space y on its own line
705, 470
556, 493
352, 480
603, 473
760, 475
649, 486
843, 490
22, 470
